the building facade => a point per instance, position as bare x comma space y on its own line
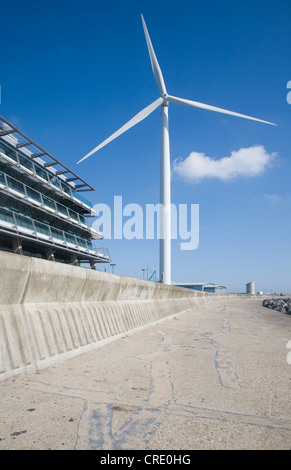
250, 288
42, 211
202, 286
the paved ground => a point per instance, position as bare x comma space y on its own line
213, 378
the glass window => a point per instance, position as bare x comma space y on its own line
73, 215
8, 151
2, 148
33, 194
54, 180
25, 162
81, 242
2, 178
40, 172
62, 209
90, 245
23, 221
6, 215
42, 228
56, 233
49, 202
16, 185
66, 189
70, 238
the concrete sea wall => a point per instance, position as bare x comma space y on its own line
51, 311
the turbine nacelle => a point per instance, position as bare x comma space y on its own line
165, 98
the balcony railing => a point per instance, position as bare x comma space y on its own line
22, 224
44, 202
38, 171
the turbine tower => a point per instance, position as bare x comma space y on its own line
165, 171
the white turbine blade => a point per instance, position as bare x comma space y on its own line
195, 104
155, 65
135, 120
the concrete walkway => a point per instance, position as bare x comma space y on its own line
213, 378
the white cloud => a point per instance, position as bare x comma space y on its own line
251, 161
272, 197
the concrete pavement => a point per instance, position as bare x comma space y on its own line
215, 377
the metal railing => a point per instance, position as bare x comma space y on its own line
46, 202
40, 172
23, 224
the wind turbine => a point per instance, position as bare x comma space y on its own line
165, 172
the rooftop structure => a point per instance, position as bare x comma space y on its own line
42, 212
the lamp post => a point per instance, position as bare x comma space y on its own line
112, 266
143, 271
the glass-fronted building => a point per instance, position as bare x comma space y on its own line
42, 212
201, 286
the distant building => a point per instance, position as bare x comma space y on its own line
42, 212
201, 286
250, 288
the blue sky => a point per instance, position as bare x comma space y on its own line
72, 73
